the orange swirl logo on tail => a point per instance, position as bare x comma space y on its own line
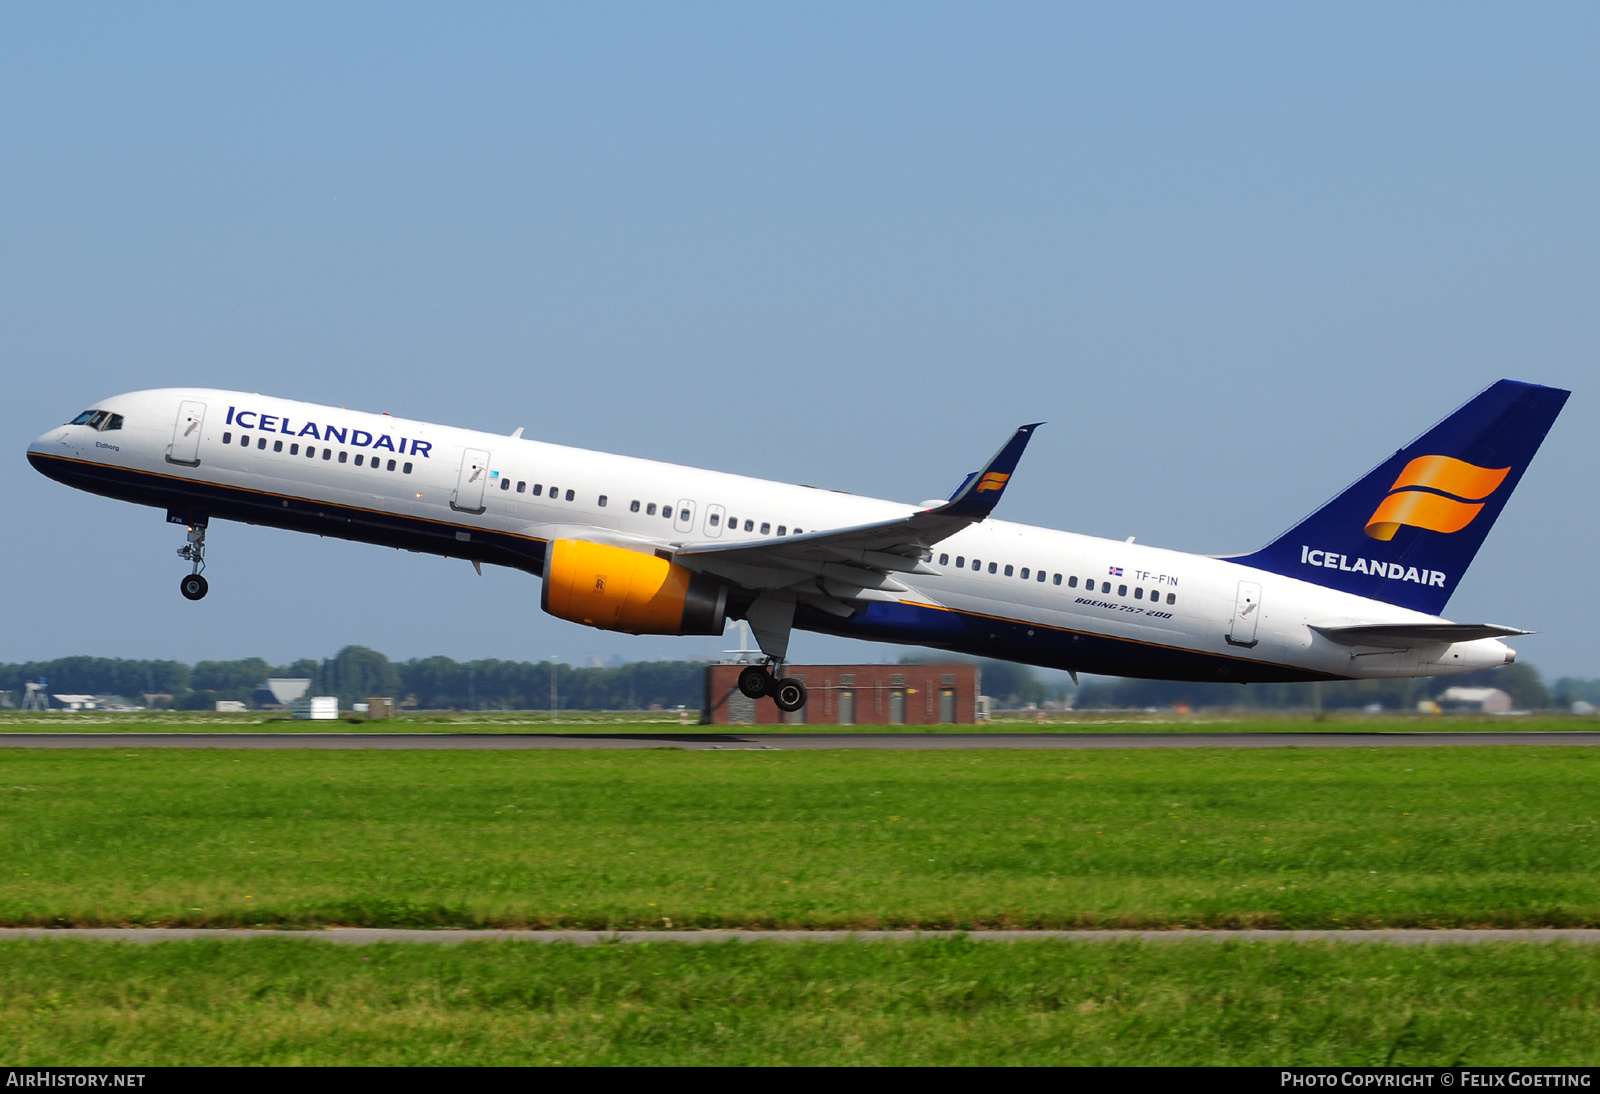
1468, 482
992, 481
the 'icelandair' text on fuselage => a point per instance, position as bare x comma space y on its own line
358, 438
1394, 571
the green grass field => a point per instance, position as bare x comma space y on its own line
933, 1002
1281, 837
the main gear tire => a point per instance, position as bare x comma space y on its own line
755, 681
790, 695
193, 587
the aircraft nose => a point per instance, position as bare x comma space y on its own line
48, 442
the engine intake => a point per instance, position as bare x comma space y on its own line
620, 590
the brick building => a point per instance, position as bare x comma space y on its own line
863, 695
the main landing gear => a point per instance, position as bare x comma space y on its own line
788, 693
193, 586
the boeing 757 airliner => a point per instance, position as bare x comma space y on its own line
1353, 591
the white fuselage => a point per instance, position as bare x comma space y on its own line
1151, 604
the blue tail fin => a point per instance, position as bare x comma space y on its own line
1407, 531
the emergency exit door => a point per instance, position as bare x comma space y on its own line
1246, 615
468, 495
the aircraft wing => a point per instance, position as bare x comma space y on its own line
858, 563
1406, 635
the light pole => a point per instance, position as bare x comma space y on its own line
552, 689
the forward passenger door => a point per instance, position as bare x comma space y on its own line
185, 446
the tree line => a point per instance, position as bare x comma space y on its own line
441, 683
356, 673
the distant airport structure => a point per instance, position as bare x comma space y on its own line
854, 695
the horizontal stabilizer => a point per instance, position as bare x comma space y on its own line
1406, 635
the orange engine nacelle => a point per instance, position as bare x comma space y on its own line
620, 590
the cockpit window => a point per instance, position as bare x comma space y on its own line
113, 422
98, 419
82, 419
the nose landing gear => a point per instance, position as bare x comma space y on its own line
787, 693
193, 586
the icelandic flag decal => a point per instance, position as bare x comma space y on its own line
1116, 571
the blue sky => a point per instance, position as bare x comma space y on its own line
1233, 255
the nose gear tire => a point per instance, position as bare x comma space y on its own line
193, 587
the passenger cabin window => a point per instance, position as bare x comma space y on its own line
714, 520
294, 450
327, 454
783, 529
650, 510
1172, 598
344, 456
944, 560
1008, 569
538, 488
977, 565
569, 495
633, 507
227, 438
992, 567
961, 562
602, 501
766, 528
390, 466
1041, 578
505, 484
358, 459
244, 440
1138, 594
749, 526
522, 487
406, 470
1024, 574
261, 443
277, 446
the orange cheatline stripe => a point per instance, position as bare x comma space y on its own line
1452, 476
1419, 510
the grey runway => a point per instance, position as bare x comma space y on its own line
785, 741
370, 935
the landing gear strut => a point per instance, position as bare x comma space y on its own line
788, 693
193, 586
